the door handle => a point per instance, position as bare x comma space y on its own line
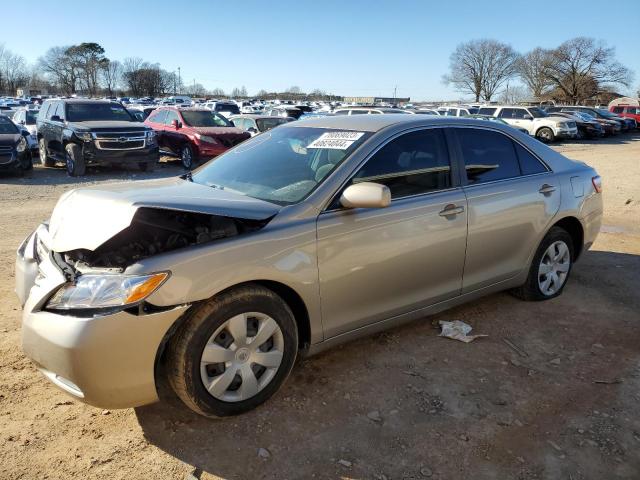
451, 209
546, 188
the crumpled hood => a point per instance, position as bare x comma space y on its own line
87, 217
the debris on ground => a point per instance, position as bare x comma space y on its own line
511, 344
264, 453
458, 330
374, 416
345, 463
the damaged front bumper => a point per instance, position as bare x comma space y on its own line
106, 360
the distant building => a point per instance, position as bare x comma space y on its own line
375, 100
30, 92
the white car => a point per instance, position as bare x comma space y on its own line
224, 108
538, 123
456, 111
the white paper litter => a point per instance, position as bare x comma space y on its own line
458, 330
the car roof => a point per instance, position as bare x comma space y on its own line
374, 123
253, 116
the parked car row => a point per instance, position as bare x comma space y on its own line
81, 132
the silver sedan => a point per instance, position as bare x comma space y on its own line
296, 240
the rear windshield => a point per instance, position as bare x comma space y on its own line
7, 126
31, 117
87, 112
204, 118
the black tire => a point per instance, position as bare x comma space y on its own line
187, 158
147, 166
45, 159
27, 165
76, 166
531, 291
185, 348
546, 135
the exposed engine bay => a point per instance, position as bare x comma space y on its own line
155, 230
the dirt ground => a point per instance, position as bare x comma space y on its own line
406, 404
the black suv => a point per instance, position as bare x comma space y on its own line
93, 132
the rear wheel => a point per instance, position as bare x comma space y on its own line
545, 134
75, 161
550, 267
233, 352
45, 159
186, 157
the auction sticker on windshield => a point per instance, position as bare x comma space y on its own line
336, 140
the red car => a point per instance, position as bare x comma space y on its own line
194, 134
627, 111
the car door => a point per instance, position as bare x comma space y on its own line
56, 127
172, 135
378, 263
512, 196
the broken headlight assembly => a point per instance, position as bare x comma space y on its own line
96, 291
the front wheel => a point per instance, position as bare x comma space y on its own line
550, 267
232, 352
186, 157
76, 166
545, 134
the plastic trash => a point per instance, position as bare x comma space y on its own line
458, 330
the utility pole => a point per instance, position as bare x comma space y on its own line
174, 82
395, 91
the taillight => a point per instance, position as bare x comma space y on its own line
597, 183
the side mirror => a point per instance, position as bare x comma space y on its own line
252, 130
56, 118
366, 195
528, 117
175, 124
22, 122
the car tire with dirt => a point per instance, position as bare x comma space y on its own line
550, 267
76, 166
233, 351
45, 159
545, 135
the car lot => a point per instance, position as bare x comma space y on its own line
404, 404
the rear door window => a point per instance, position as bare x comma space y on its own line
412, 164
529, 164
488, 155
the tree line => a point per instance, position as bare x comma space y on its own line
85, 69
575, 71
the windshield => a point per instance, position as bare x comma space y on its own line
7, 126
265, 124
537, 113
227, 107
204, 118
584, 116
87, 112
281, 166
31, 117
606, 113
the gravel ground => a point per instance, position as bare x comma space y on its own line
406, 404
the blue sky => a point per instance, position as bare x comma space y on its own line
345, 47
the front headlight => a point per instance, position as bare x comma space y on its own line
22, 145
106, 291
206, 139
84, 136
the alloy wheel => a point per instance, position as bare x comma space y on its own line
554, 268
42, 150
242, 357
187, 157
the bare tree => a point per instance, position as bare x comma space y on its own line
218, 92
13, 69
582, 67
481, 67
533, 69
196, 90
111, 75
64, 73
513, 94
262, 93
294, 89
